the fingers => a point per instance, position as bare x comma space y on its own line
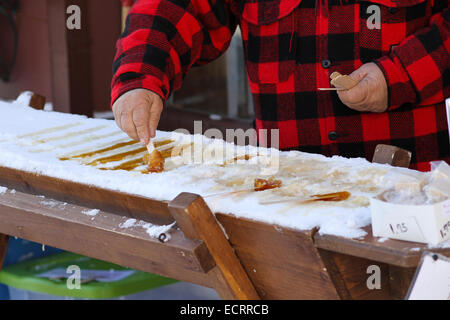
155, 115
117, 114
355, 96
128, 126
137, 113
141, 120
371, 92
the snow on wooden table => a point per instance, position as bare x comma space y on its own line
36, 141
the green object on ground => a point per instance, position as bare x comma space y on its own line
24, 276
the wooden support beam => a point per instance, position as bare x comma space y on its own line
335, 275
198, 222
282, 263
103, 237
133, 206
350, 274
394, 252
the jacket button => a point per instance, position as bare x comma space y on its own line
326, 63
333, 135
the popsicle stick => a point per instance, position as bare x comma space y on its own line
333, 197
151, 147
331, 89
259, 185
299, 200
222, 194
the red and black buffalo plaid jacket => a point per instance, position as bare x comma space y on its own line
291, 48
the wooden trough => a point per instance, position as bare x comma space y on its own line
239, 258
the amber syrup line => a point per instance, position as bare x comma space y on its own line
121, 156
70, 134
50, 130
80, 142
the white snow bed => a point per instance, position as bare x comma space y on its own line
34, 141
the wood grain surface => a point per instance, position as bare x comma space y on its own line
282, 263
102, 236
227, 253
395, 252
130, 205
197, 222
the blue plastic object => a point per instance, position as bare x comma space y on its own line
20, 250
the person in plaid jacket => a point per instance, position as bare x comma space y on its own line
397, 49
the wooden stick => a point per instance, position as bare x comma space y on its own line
259, 185
333, 197
299, 200
331, 89
150, 147
228, 193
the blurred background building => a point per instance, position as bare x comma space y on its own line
72, 68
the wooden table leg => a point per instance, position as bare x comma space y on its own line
197, 221
3, 248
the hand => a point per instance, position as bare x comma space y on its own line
137, 113
370, 94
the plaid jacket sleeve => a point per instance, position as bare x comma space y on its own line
163, 39
417, 70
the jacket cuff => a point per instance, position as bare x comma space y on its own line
400, 88
145, 82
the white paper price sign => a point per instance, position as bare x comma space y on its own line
432, 278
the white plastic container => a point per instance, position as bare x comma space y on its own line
418, 223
